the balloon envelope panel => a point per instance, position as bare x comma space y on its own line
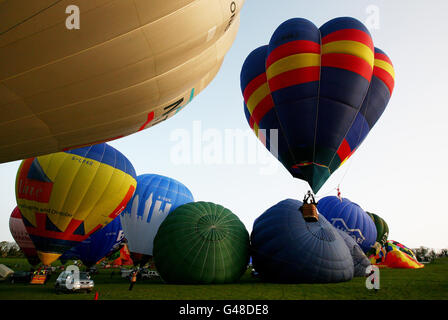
321, 89
66, 196
382, 228
155, 197
286, 248
131, 65
98, 245
201, 242
351, 218
360, 260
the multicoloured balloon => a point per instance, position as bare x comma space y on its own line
201, 242
22, 238
349, 217
65, 197
98, 245
286, 248
129, 66
398, 256
312, 95
156, 196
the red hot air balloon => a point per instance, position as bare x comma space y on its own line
22, 238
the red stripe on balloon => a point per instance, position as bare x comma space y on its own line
291, 48
294, 77
262, 108
350, 35
253, 85
386, 77
383, 57
348, 62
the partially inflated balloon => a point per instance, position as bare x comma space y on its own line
201, 242
22, 238
65, 197
98, 245
349, 217
360, 260
155, 197
130, 65
286, 248
382, 229
312, 95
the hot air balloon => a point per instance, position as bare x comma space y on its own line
201, 242
399, 256
360, 260
312, 95
22, 238
155, 197
382, 229
98, 245
349, 217
65, 197
130, 65
286, 248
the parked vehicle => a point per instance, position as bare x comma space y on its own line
21, 277
67, 281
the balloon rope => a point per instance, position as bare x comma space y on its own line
318, 99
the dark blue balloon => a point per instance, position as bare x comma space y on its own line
351, 218
286, 248
98, 245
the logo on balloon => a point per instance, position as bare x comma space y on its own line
356, 234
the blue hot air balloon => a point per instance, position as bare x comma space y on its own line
349, 217
286, 248
98, 245
155, 197
313, 94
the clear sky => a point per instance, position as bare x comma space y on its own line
398, 172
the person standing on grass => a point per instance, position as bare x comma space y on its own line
133, 279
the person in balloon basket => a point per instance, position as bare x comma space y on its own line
132, 279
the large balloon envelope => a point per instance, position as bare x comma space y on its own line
201, 242
98, 245
155, 197
22, 238
130, 65
312, 95
286, 248
65, 197
349, 217
360, 260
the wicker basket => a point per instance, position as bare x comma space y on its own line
309, 212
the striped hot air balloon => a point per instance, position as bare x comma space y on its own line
65, 197
321, 90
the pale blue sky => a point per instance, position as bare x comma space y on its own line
398, 172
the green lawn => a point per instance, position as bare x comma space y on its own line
430, 282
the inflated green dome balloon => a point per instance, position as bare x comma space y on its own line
201, 242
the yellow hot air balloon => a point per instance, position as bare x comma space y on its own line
65, 197
130, 65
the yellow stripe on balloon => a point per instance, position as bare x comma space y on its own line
257, 96
354, 48
292, 62
385, 66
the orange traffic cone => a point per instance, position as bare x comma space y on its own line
96, 296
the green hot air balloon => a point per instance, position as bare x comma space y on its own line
201, 242
381, 228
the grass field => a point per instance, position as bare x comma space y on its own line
429, 283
